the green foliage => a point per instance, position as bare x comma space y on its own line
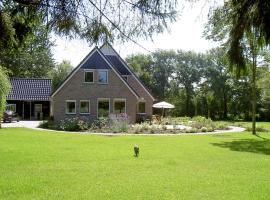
100, 123
155, 70
224, 23
94, 21
4, 90
30, 58
142, 128
60, 72
200, 122
119, 123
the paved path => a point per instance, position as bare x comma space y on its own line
25, 124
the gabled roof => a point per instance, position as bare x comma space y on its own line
111, 54
118, 64
33, 89
94, 60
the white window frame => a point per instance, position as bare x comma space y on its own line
88, 70
104, 99
103, 70
74, 101
120, 100
12, 104
82, 113
144, 107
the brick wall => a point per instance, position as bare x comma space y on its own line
76, 89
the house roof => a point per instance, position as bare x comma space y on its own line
33, 89
121, 65
118, 64
94, 60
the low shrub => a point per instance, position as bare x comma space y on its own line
69, 124
204, 129
199, 122
47, 125
192, 130
100, 123
119, 123
258, 129
222, 125
142, 128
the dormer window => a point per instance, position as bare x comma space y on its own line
88, 76
103, 76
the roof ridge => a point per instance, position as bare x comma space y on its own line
23, 78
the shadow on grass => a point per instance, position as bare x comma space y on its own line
247, 145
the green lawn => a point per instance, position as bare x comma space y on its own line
50, 165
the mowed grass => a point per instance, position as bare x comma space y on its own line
52, 165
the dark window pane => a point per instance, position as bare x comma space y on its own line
89, 77
119, 107
103, 108
71, 107
84, 108
141, 107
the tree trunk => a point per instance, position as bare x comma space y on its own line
196, 109
187, 101
225, 105
208, 112
253, 95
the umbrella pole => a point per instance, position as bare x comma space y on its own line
162, 112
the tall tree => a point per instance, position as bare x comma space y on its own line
218, 77
164, 66
32, 57
242, 17
187, 72
143, 66
4, 90
60, 72
263, 86
155, 70
244, 43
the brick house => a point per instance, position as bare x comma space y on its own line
101, 84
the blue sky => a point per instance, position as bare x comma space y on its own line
185, 34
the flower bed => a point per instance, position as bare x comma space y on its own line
120, 124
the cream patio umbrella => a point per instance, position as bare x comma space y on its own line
163, 105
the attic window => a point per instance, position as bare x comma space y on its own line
103, 76
88, 76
